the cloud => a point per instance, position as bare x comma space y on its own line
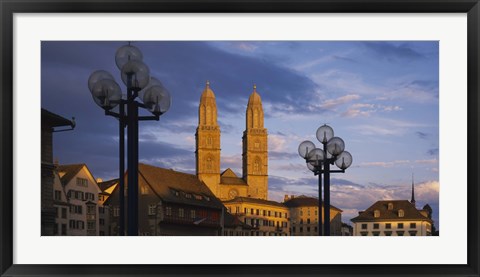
421, 135
432, 152
365, 109
386, 127
392, 52
333, 103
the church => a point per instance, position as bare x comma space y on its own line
227, 185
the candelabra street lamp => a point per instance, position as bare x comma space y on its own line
319, 161
107, 94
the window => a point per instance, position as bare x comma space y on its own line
413, 225
188, 195
174, 192
412, 233
55, 229
245, 210
91, 225
192, 213
64, 229
168, 211
58, 195
258, 212
308, 220
293, 229
364, 226
269, 214
301, 229
251, 211
152, 209
116, 211
101, 210
264, 213
64, 212
363, 233
308, 212
280, 214
376, 233
301, 221
400, 225
286, 215
401, 213
71, 224
80, 225
181, 212
91, 209
276, 214
376, 226
400, 233
56, 212
82, 182
316, 211
388, 233
308, 229
388, 226
101, 221
390, 206
376, 213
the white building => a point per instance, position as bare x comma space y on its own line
393, 218
82, 193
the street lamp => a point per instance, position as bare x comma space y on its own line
319, 161
107, 94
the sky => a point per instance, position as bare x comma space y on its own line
380, 97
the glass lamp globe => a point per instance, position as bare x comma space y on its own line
324, 133
157, 100
127, 53
311, 167
304, 148
344, 160
316, 157
106, 93
135, 75
97, 76
153, 82
335, 146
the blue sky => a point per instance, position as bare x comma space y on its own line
382, 98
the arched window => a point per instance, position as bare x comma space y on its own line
209, 140
376, 213
209, 163
257, 166
401, 213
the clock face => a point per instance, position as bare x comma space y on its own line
232, 193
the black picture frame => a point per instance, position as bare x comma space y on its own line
9, 7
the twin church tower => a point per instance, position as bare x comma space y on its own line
227, 185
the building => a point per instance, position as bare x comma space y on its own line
171, 203
268, 218
233, 226
49, 122
106, 189
61, 206
82, 195
347, 230
226, 185
393, 218
304, 216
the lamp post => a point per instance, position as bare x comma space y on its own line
319, 161
108, 95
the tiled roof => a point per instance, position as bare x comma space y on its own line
305, 201
70, 171
107, 184
228, 177
410, 211
177, 187
255, 201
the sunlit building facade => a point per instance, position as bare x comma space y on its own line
393, 218
227, 185
267, 218
304, 216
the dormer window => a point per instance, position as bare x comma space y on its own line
390, 206
401, 213
376, 213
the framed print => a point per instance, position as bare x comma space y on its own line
239, 138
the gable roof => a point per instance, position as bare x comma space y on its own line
228, 177
106, 185
54, 120
177, 187
70, 171
255, 201
410, 211
306, 201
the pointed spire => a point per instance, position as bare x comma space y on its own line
208, 84
412, 200
254, 87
